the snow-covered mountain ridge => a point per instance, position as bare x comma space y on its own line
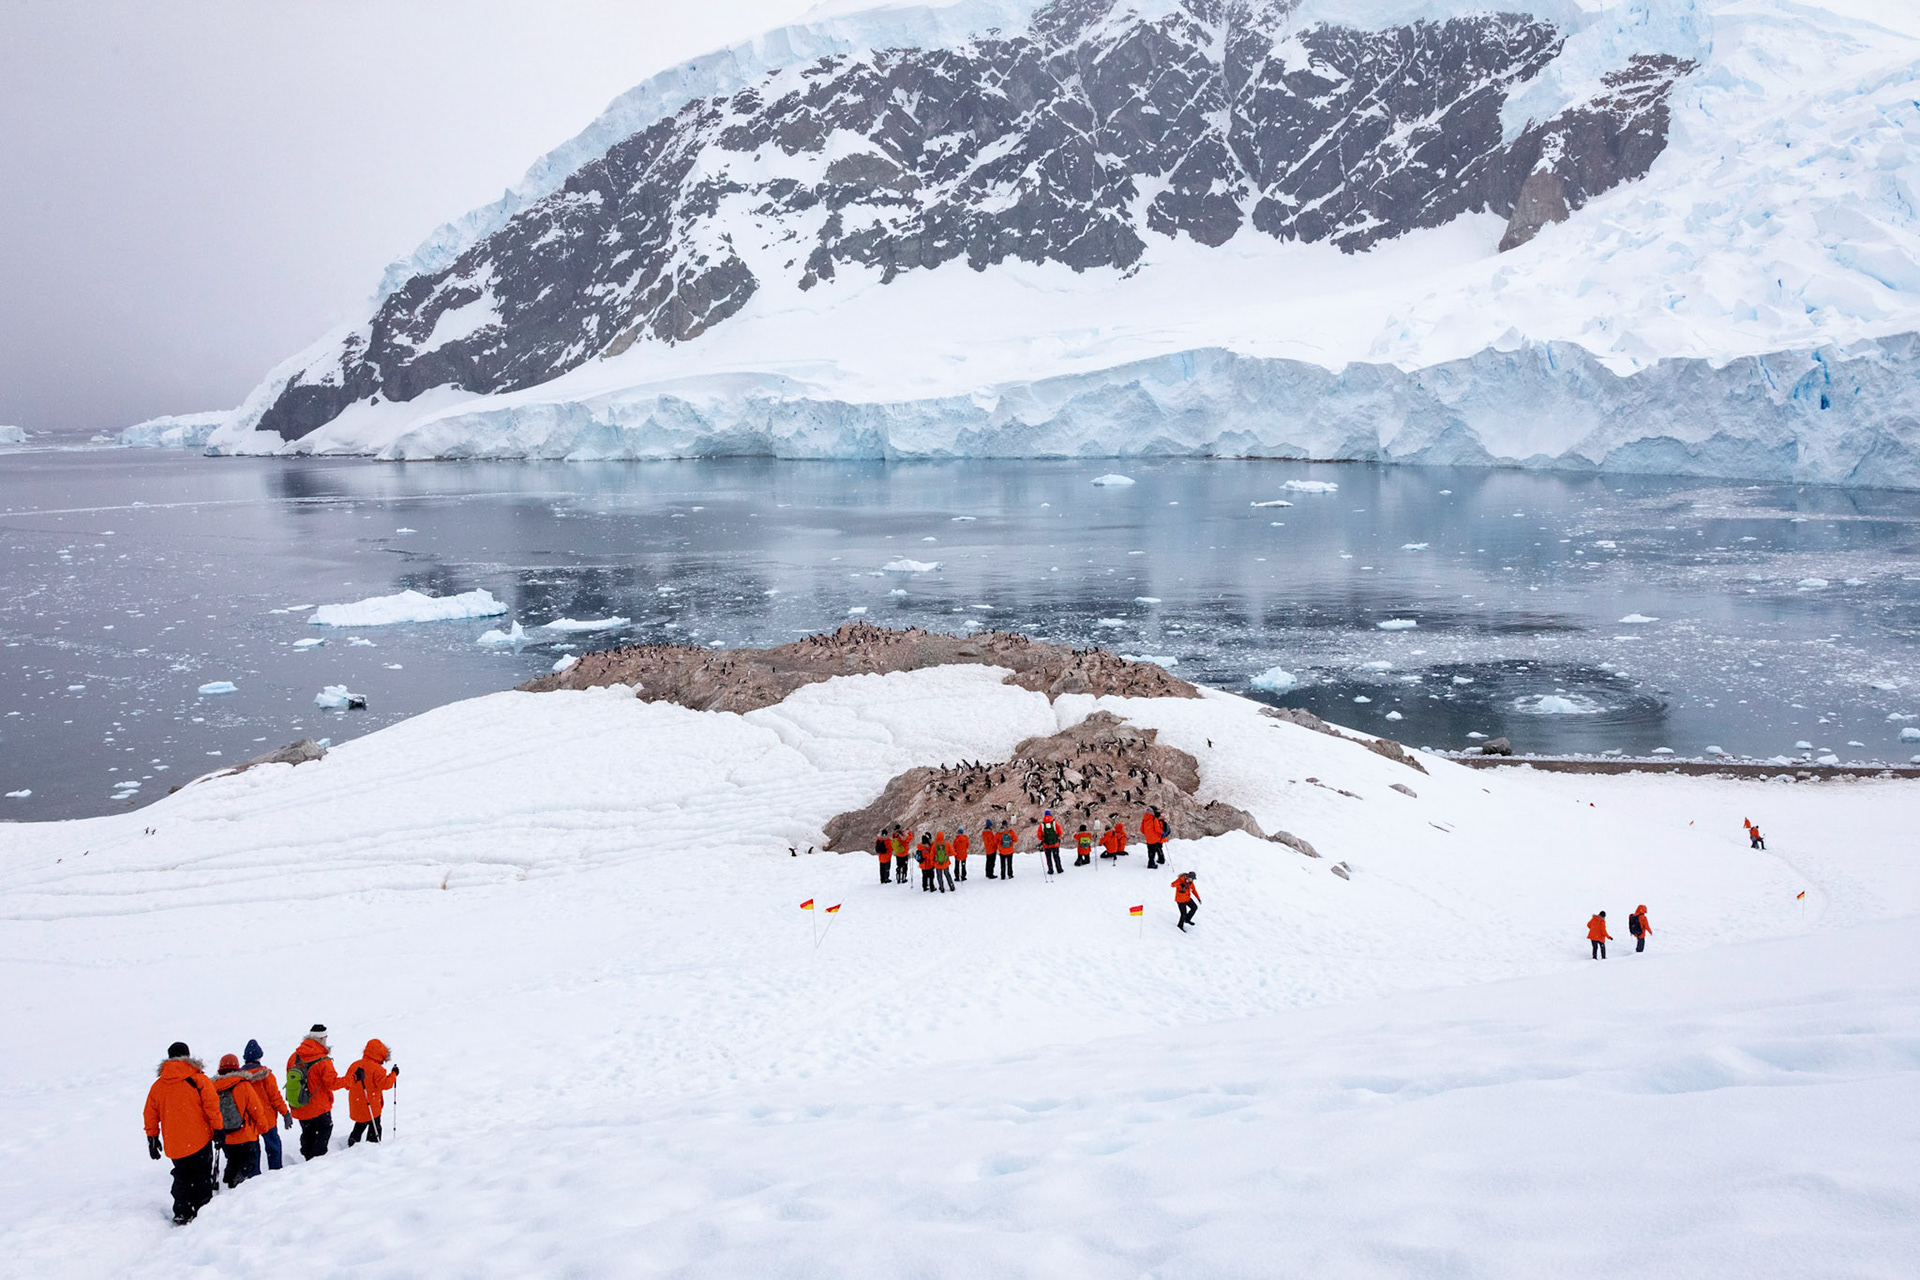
995, 228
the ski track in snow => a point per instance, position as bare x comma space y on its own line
627, 1056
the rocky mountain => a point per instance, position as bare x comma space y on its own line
1098, 128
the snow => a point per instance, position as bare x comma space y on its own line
1113, 479
215, 687
1276, 680
564, 661
407, 606
625, 1055
904, 565
586, 624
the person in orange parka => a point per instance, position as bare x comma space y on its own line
902, 846
1114, 839
1186, 896
367, 1083
315, 1112
961, 846
182, 1115
1153, 829
989, 845
1637, 926
268, 1087
1597, 934
1083, 847
256, 1118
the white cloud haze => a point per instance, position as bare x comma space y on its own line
191, 191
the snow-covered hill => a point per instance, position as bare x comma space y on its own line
1243, 227
575, 918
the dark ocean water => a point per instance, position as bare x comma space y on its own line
1777, 614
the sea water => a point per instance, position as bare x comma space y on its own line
1568, 613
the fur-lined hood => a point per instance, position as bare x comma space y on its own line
191, 1067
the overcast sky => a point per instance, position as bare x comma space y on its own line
191, 190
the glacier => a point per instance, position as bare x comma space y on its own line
1746, 309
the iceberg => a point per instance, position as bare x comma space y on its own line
494, 637
1113, 480
335, 697
586, 624
407, 606
1397, 624
1275, 680
910, 566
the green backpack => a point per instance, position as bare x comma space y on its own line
297, 1081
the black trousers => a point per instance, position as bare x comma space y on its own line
926, 879
991, 859
1188, 910
1156, 855
316, 1133
1640, 943
959, 868
271, 1139
1053, 858
1006, 866
886, 865
192, 1183
368, 1129
1084, 859
1599, 949
900, 870
243, 1161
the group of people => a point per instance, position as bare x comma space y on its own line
1637, 925
942, 858
195, 1121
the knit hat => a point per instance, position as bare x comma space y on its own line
178, 1049
253, 1052
318, 1032
228, 1063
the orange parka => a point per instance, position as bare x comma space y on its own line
1182, 889
1597, 930
321, 1079
1048, 833
1083, 840
267, 1085
962, 842
255, 1115
1152, 830
367, 1082
182, 1107
989, 842
1115, 840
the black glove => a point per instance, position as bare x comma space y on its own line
153, 1145
286, 1122
395, 1073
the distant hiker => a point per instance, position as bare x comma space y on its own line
1114, 840
942, 862
960, 845
989, 845
1009, 841
1050, 837
1153, 829
925, 855
902, 847
311, 1081
1637, 926
367, 1082
1755, 839
1186, 896
244, 1116
182, 1115
1597, 934
1082, 846
883, 850
263, 1082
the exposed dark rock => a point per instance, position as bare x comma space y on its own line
1099, 771
746, 679
1294, 842
1403, 789
1071, 141
294, 753
1496, 747
1379, 746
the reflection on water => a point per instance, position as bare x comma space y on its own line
1568, 613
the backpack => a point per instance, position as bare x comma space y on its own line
297, 1094
1633, 924
232, 1120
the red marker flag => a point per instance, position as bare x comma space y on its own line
835, 907
807, 905
1136, 911
1799, 895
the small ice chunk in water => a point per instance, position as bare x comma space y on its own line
1715, 751
1803, 745
1638, 617
586, 624
1276, 680
1910, 734
1157, 659
1397, 624
1276, 502
904, 565
1856, 744
1811, 584
404, 529
1413, 546
1476, 734
1378, 664
1362, 698
1146, 599
407, 606
1111, 622
214, 687
493, 636
1394, 715
898, 591
1828, 758
336, 698
856, 611
1113, 479
311, 642
1663, 751
21, 794
1311, 486
356, 640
